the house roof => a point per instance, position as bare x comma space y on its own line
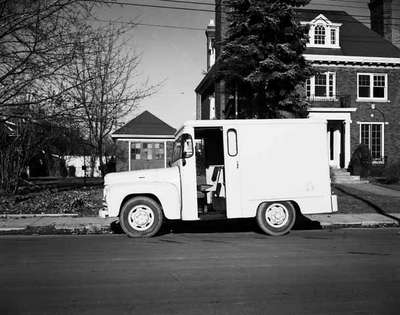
146, 125
356, 39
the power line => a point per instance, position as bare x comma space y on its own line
212, 11
331, 5
151, 6
352, 38
188, 2
151, 25
203, 10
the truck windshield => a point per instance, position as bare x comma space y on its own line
177, 153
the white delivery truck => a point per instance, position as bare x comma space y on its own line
266, 169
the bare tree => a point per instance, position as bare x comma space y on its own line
37, 41
57, 69
104, 81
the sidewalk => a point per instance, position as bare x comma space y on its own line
55, 225
373, 189
96, 225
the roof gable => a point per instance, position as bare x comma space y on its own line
145, 124
356, 39
323, 19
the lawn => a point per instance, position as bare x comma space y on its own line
82, 201
352, 200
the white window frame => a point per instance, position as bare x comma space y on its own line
334, 32
323, 36
371, 88
131, 141
321, 20
381, 160
322, 98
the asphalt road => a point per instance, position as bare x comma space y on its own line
306, 272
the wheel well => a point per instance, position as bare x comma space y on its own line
294, 203
296, 206
128, 197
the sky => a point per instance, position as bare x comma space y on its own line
176, 58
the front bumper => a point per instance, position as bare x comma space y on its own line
103, 213
334, 204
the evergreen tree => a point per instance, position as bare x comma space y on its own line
261, 59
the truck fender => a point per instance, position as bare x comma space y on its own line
166, 193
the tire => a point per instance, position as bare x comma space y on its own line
276, 218
141, 217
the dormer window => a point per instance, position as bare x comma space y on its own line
333, 37
323, 33
319, 35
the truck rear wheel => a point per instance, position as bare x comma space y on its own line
276, 218
141, 217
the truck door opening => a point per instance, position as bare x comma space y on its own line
210, 172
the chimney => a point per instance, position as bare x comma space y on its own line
210, 34
384, 15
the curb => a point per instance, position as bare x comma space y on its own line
39, 215
368, 224
103, 229
57, 230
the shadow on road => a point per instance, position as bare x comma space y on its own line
217, 226
304, 223
221, 226
374, 206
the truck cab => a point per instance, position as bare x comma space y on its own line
267, 169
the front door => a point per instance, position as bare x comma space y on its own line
335, 136
184, 158
232, 173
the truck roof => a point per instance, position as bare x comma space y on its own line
243, 122
246, 122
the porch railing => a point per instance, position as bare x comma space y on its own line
343, 101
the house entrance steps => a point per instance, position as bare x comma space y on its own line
342, 176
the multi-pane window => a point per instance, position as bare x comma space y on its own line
147, 151
333, 36
372, 86
379, 86
135, 151
323, 33
319, 35
159, 151
371, 134
322, 86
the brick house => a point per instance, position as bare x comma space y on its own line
356, 90
144, 142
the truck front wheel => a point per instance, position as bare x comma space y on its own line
276, 218
141, 217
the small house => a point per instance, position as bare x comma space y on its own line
144, 142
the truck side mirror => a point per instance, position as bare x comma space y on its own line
187, 148
187, 151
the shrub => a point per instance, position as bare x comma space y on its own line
361, 161
392, 173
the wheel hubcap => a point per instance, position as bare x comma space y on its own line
141, 218
277, 215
